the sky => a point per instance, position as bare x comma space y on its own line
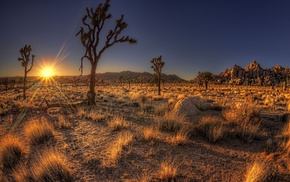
191, 35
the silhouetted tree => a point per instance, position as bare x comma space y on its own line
90, 35
157, 67
205, 77
25, 59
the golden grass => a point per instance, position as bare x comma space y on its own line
172, 122
63, 122
117, 123
95, 116
168, 170
179, 138
257, 172
246, 120
38, 132
22, 174
51, 166
113, 152
12, 151
150, 133
81, 112
211, 127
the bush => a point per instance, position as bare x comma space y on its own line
245, 119
12, 151
51, 166
117, 123
210, 127
172, 122
38, 132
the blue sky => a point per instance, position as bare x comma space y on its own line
191, 35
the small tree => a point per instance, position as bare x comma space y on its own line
157, 67
204, 77
25, 59
90, 35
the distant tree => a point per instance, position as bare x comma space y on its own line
90, 35
205, 78
25, 59
157, 67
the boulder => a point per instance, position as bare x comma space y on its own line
192, 106
187, 107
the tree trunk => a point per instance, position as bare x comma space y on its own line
91, 93
159, 82
206, 85
24, 83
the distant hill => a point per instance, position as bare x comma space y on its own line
135, 77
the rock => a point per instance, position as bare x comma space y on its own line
192, 106
187, 107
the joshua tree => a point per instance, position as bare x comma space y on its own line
204, 77
25, 59
157, 67
90, 34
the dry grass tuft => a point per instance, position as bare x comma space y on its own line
211, 127
51, 166
22, 174
12, 151
38, 132
113, 152
63, 122
246, 120
149, 133
258, 171
179, 138
172, 122
168, 170
96, 116
81, 112
117, 123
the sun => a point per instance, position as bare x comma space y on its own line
47, 72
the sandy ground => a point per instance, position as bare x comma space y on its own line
85, 142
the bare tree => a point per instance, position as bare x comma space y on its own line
157, 67
204, 77
90, 35
25, 59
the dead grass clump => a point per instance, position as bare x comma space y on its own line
51, 166
12, 151
161, 109
179, 138
210, 127
113, 152
117, 123
95, 116
38, 132
63, 122
81, 112
168, 170
172, 122
22, 174
245, 120
149, 133
259, 171
139, 98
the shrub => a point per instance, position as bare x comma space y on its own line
12, 151
114, 150
168, 170
181, 137
172, 122
210, 127
246, 120
38, 132
22, 174
258, 171
117, 123
149, 133
51, 166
